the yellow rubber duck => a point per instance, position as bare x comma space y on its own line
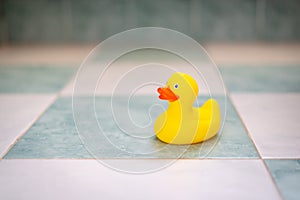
182, 123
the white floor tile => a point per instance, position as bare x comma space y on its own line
273, 122
140, 77
17, 113
87, 179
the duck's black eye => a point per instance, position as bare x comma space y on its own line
176, 86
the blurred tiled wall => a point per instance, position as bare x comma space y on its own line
88, 21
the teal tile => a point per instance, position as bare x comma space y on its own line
34, 79
54, 135
286, 174
262, 78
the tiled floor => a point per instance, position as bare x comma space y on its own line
17, 114
54, 136
42, 157
272, 121
186, 179
43, 79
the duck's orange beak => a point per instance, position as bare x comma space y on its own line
167, 94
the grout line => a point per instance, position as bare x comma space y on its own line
207, 158
29, 125
244, 125
131, 159
273, 180
260, 156
285, 158
71, 81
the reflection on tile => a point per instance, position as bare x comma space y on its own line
33, 79
287, 177
55, 136
262, 79
185, 179
17, 113
272, 120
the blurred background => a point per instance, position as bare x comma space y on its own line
233, 31
90, 21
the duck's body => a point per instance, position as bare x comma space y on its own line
182, 123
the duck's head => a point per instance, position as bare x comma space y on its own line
180, 87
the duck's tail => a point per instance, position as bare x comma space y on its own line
210, 114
